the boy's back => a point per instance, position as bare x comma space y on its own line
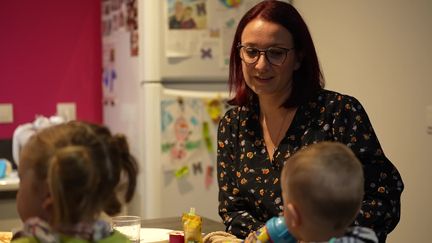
322, 189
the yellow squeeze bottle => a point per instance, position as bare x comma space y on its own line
192, 227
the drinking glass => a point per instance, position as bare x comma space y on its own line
129, 226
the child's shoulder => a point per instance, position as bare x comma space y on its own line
25, 240
116, 237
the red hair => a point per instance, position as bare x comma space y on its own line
306, 80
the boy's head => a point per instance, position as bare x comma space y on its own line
70, 173
322, 189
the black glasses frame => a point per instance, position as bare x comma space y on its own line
240, 46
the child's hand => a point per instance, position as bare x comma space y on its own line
251, 238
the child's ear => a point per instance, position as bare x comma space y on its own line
47, 198
47, 207
294, 219
48, 202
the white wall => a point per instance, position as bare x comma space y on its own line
9, 218
381, 53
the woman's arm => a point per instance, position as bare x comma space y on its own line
233, 206
383, 184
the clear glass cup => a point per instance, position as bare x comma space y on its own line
128, 225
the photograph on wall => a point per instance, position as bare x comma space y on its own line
186, 14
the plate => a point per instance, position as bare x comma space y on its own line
154, 235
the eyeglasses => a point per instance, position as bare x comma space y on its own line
274, 55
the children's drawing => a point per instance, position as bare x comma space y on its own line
231, 3
188, 132
181, 134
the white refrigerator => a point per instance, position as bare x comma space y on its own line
165, 88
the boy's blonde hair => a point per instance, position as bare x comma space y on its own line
83, 165
326, 181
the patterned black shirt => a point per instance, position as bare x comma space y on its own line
249, 185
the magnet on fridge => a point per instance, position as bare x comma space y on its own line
197, 168
207, 137
206, 53
209, 176
182, 172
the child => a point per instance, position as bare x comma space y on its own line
322, 190
69, 174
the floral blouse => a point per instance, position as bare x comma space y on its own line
249, 184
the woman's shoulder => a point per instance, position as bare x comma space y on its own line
329, 99
334, 96
235, 116
236, 112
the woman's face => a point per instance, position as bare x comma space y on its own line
264, 78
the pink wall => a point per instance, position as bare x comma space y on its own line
50, 52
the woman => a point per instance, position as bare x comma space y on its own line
282, 107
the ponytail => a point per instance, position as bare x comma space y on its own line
73, 181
